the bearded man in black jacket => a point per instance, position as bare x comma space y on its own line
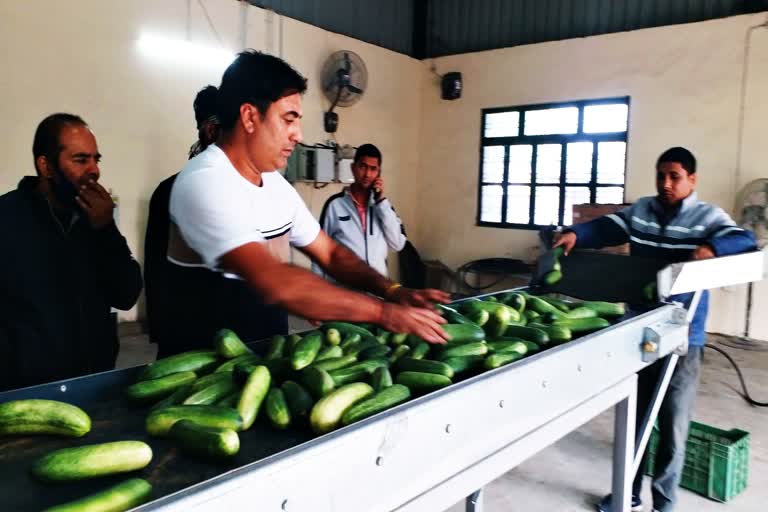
63, 263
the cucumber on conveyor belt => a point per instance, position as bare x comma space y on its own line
155, 389
458, 333
493, 308
299, 400
91, 461
424, 365
277, 348
452, 315
463, 364
213, 393
361, 345
277, 410
498, 360
213, 378
198, 361
420, 382
476, 348
347, 328
400, 351
118, 498
381, 379
356, 372
333, 337
528, 333
507, 346
605, 309
229, 365
160, 421
229, 345
212, 442
381, 401
349, 341
420, 348
318, 381
44, 417
306, 350
514, 300
174, 398
327, 413
329, 353
583, 325
398, 338
253, 394
374, 353
541, 306
556, 332
335, 363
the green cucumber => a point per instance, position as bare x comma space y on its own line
253, 394
299, 400
552, 277
318, 381
277, 348
327, 413
498, 322
541, 306
198, 361
91, 461
374, 352
280, 369
479, 317
531, 315
461, 364
210, 442
329, 353
358, 347
452, 315
494, 361
335, 363
381, 378
349, 341
472, 306
229, 366
582, 325
213, 378
383, 338
398, 338
477, 348
420, 349
174, 398
306, 350
605, 309
514, 300
580, 312
155, 389
46, 417
126, 495
508, 346
160, 421
277, 410
383, 399
356, 372
213, 393
490, 298
230, 400
229, 345
347, 328
527, 333
408, 364
464, 332
399, 352
333, 337
563, 305
557, 333
421, 382
290, 343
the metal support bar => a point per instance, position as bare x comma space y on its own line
474, 502
623, 455
653, 410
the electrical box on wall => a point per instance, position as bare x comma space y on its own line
344, 171
310, 163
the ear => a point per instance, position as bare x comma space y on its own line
692, 178
43, 168
247, 116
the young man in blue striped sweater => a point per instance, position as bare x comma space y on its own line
675, 226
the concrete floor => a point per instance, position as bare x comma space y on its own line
575, 472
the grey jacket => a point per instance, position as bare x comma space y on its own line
341, 221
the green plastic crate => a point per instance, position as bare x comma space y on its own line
716, 461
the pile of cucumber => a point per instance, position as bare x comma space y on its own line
53, 418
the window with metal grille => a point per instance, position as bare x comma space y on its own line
537, 161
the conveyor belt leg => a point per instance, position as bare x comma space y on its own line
623, 452
475, 501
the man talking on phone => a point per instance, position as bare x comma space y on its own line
360, 217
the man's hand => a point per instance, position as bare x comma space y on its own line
378, 189
418, 298
422, 322
703, 252
565, 240
96, 203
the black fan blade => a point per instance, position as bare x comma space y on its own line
352, 88
347, 63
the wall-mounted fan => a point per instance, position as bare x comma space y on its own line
344, 80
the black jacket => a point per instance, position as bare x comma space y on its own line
187, 305
57, 285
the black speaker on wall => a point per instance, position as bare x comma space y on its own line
451, 85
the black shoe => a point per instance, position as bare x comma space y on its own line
605, 504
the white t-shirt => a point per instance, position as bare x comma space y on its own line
215, 210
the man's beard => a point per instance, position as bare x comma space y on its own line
63, 190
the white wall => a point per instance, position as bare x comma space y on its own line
684, 84
82, 57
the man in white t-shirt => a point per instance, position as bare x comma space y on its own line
232, 213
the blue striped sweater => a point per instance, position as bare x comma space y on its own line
672, 235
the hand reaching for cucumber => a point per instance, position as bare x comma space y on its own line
423, 322
565, 240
